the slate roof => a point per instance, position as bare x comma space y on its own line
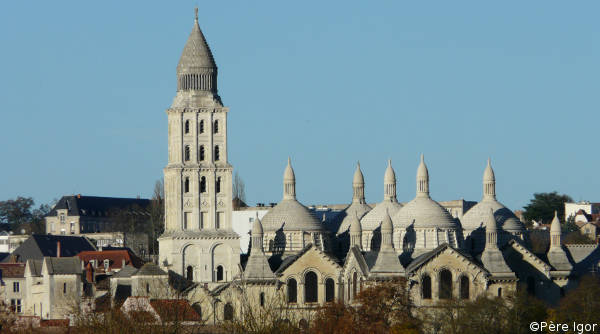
125, 272
35, 267
150, 269
39, 246
63, 265
12, 270
95, 206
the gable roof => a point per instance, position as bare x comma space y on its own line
39, 246
62, 265
125, 272
288, 261
523, 250
174, 309
34, 267
150, 269
96, 206
12, 270
424, 258
360, 259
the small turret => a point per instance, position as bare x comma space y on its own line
492, 258
257, 267
358, 186
387, 230
556, 255
387, 262
489, 182
257, 235
289, 182
389, 183
355, 232
422, 179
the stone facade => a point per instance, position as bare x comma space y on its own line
199, 242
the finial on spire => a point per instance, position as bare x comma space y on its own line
196, 12
422, 157
389, 162
489, 161
358, 163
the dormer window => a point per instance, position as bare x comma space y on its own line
106, 264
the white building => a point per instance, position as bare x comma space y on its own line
241, 221
571, 209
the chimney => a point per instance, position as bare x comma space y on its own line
122, 263
58, 249
78, 195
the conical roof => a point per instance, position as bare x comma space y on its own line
257, 226
355, 224
491, 225
196, 53
422, 172
555, 225
488, 173
386, 223
288, 174
390, 175
358, 176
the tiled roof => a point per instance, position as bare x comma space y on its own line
127, 271
12, 270
115, 258
174, 309
150, 269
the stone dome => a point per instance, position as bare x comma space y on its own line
355, 209
291, 215
372, 220
424, 212
476, 216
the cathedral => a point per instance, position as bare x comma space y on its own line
306, 262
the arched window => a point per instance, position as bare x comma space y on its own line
201, 127
303, 324
203, 184
329, 290
445, 284
292, 291
198, 308
311, 289
426, 287
189, 273
216, 126
219, 273
499, 292
531, 285
354, 281
228, 312
218, 185
201, 152
217, 153
147, 287
187, 126
464, 287
186, 154
186, 185
262, 299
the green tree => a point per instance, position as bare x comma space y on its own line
19, 214
157, 215
543, 205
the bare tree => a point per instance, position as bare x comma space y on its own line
239, 191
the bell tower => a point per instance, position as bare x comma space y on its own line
199, 242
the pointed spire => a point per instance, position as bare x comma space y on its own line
389, 183
197, 69
387, 230
258, 265
489, 182
422, 179
358, 186
555, 231
387, 261
491, 230
355, 231
289, 181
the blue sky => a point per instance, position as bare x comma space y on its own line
84, 87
